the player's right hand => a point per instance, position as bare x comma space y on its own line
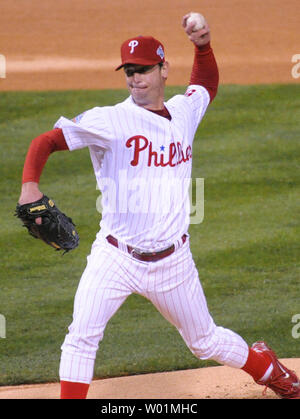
199, 38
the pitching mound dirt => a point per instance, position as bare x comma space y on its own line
203, 383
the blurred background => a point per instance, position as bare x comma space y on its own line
75, 44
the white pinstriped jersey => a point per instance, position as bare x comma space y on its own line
142, 163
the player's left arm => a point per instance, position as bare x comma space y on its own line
205, 69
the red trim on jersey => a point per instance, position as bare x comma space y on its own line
163, 112
39, 151
205, 70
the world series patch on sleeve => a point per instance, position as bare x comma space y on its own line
56, 229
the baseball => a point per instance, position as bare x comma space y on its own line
197, 20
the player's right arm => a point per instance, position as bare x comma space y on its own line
38, 153
205, 69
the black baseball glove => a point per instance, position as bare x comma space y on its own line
56, 229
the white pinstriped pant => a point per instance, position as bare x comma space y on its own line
171, 284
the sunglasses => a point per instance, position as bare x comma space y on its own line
140, 69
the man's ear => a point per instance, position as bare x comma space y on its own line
165, 70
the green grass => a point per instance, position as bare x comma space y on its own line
246, 249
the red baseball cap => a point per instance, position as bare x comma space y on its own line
142, 50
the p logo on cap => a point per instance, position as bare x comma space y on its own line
134, 43
142, 50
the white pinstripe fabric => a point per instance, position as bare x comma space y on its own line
152, 202
175, 290
111, 275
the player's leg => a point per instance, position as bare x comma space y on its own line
101, 291
177, 293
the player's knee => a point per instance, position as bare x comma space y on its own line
221, 345
205, 347
212, 346
86, 345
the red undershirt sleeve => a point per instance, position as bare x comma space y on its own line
205, 70
39, 151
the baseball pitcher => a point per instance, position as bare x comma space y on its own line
142, 144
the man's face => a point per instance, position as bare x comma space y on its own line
146, 84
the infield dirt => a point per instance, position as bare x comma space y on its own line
76, 44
